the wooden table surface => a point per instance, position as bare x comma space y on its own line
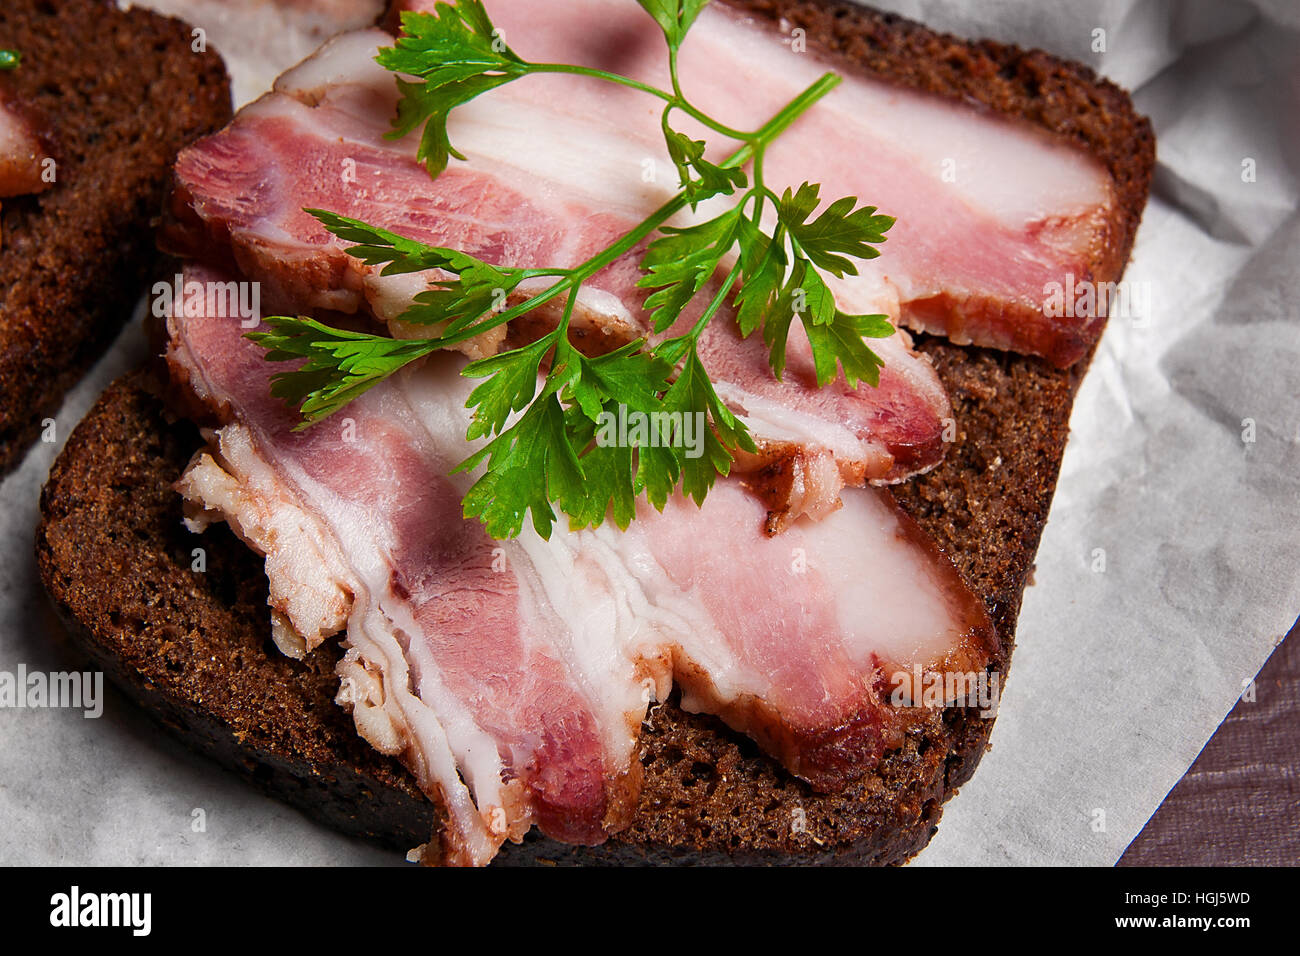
1239, 803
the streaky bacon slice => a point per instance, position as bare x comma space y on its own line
317, 142
994, 215
512, 677
797, 640
456, 658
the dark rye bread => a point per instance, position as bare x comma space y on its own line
195, 648
118, 94
192, 648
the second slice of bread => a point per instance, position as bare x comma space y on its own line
119, 93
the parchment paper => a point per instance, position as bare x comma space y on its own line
1167, 572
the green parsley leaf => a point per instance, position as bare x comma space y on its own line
674, 16
660, 468
763, 265
511, 385
840, 340
375, 246
688, 155
340, 365
811, 299
591, 387
455, 305
457, 55
608, 474
839, 229
529, 466
776, 327
681, 262
629, 376
478, 287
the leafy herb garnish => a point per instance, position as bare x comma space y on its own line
538, 407
9, 59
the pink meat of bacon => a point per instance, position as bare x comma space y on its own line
512, 677
318, 142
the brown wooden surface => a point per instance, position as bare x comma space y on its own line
1239, 803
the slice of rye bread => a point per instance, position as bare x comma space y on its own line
118, 94
194, 648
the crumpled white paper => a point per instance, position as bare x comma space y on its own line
1169, 569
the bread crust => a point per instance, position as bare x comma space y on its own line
111, 547
118, 93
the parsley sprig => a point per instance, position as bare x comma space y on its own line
538, 408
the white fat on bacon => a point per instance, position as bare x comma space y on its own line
310, 587
512, 677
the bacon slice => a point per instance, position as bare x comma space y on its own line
317, 142
456, 659
796, 640
511, 677
991, 212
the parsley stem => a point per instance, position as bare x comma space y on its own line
759, 190
674, 99
716, 303
672, 71
561, 332
779, 123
